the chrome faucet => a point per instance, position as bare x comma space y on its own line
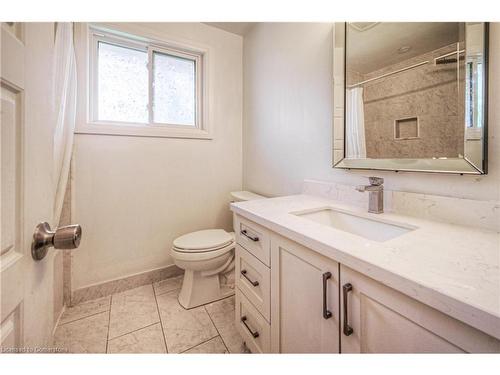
376, 197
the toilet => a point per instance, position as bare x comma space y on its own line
206, 256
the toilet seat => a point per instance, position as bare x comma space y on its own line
203, 241
195, 256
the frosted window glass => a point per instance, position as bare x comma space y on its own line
122, 84
174, 90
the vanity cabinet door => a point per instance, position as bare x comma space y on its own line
304, 290
378, 319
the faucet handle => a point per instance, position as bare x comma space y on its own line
376, 181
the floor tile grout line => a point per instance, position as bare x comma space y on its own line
168, 291
109, 322
194, 346
222, 299
159, 316
83, 317
138, 329
135, 330
204, 342
217, 329
218, 334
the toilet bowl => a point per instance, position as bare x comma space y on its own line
206, 256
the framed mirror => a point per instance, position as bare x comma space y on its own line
411, 96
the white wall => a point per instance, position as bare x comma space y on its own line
288, 112
134, 195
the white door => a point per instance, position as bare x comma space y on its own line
26, 183
303, 320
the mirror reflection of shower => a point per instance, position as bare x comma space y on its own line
413, 90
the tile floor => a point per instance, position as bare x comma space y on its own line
149, 319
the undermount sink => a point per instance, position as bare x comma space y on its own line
371, 229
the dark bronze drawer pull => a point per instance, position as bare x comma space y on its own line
254, 334
244, 273
347, 328
253, 238
327, 314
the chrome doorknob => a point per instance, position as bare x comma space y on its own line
67, 237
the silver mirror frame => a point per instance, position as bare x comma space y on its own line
432, 165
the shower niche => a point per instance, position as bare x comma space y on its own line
411, 96
406, 129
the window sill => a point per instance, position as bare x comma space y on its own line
141, 130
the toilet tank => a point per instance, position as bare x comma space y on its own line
242, 196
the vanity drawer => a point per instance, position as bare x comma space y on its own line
253, 278
253, 328
254, 238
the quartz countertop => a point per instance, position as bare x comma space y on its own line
455, 269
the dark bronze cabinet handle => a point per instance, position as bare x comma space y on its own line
327, 314
244, 273
347, 328
244, 320
253, 238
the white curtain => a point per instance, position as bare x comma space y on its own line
355, 124
64, 109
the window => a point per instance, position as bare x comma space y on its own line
174, 89
474, 94
122, 84
138, 84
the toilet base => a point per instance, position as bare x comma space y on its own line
198, 289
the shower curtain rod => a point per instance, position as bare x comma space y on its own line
388, 74
408, 68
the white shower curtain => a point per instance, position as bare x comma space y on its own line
355, 124
64, 102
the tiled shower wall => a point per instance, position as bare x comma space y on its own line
430, 93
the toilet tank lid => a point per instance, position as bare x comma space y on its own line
241, 196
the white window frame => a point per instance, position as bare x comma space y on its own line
201, 130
